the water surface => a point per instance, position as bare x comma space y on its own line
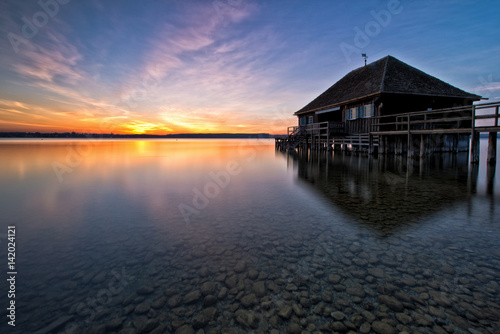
230, 236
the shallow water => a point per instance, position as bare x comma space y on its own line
230, 236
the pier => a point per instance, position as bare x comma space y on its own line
417, 133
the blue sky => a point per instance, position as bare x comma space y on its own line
169, 66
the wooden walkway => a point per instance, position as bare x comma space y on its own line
415, 127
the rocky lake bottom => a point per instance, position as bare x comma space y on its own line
278, 257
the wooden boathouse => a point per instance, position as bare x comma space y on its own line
389, 106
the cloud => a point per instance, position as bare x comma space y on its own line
196, 72
57, 59
12, 103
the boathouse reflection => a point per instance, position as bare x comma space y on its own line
387, 193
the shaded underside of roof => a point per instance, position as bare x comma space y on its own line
386, 75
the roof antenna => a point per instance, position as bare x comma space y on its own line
364, 56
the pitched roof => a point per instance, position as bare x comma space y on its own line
386, 75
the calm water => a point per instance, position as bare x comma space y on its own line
225, 236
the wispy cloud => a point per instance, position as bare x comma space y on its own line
221, 66
197, 75
56, 60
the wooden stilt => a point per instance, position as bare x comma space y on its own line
422, 146
370, 144
490, 179
410, 146
399, 145
328, 146
474, 150
492, 148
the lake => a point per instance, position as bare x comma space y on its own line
231, 236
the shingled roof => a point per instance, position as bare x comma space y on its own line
386, 75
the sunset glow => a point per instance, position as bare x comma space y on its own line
222, 66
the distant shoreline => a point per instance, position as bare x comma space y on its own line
145, 136
137, 136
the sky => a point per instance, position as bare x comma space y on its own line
219, 66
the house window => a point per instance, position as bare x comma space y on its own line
353, 112
365, 111
369, 110
311, 119
302, 121
361, 111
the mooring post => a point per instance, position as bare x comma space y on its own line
490, 179
492, 148
370, 144
474, 149
399, 145
328, 147
410, 146
474, 140
422, 146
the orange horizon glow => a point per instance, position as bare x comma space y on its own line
137, 127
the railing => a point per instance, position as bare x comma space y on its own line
315, 128
296, 134
325, 127
495, 116
458, 119
292, 130
336, 127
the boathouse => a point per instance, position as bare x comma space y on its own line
390, 107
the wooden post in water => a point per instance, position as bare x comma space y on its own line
422, 146
490, 179
492, 148
474, 140
370, 144
399, 145
411, 146
492, 141
328, 147
474, 149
